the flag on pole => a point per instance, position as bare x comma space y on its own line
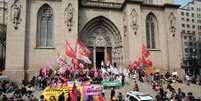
74, 61
148, 63
81, 66
83, 48
58, 55
83, 52
63, 69
45, 71
145, 53
49, 62
69, 51
73, 93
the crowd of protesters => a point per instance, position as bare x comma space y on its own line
95, 76
174, 96
7, 86
23, 92
169, 93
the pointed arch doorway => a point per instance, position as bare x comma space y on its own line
103, 38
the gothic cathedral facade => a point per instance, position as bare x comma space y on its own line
114, 30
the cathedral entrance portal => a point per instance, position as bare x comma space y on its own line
99, 56
104, 41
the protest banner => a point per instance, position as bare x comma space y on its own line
50, 91
93, 90
115, 83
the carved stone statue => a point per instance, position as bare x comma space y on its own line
134, 18
16, 13
172, 23
125, 22
69, 16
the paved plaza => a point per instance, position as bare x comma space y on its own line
147, 88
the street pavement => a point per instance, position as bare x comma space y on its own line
147, 88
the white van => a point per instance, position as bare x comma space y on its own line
138, 96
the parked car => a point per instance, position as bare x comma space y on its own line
138, 96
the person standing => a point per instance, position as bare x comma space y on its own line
78, 97
69, 97
41, 98
112, 93
162, 93
180, 94
123, 80
188, 80
189, 97
136, 88
61, 97
120, 97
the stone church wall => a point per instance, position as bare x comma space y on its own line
24, 59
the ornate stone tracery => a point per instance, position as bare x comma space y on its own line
100, 41
69, 16
16, 13
101, 32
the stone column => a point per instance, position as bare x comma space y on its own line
15, 47
94, 56
72, 31
105, 54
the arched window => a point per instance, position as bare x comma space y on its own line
45, 25
151, 31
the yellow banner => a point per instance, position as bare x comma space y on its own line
55, 92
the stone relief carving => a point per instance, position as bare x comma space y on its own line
172, 23
100, 41
69, 16
16, 13
125, 22
134, 18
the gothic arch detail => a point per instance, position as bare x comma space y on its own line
44, 35
101, 32
151, 31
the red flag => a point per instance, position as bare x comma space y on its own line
69, 51
148, 63
74, 61
83, 49
45, 71
136, 64
145, 53
73, 93
83, 52
141, 60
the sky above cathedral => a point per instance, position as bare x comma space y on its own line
182, 2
